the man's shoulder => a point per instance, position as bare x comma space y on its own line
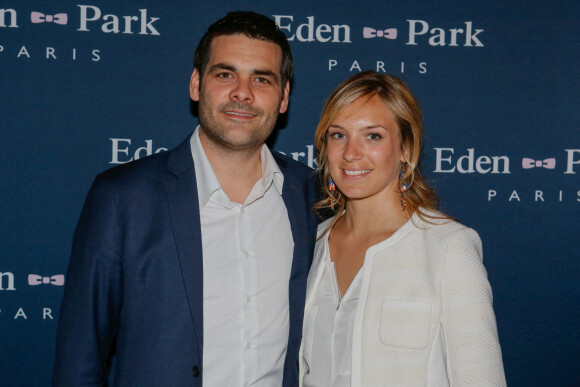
151, 169
144, 168
290, 166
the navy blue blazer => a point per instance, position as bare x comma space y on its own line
134, 286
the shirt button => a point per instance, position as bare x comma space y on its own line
195, 371
249, 346
249, 299
246, 254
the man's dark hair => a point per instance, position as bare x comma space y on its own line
252, 25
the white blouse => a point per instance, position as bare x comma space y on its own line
332, 319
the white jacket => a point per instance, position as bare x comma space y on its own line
424, 315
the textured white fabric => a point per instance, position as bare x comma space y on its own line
331, 317
247, 259
425, 315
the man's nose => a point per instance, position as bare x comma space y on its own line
242, 91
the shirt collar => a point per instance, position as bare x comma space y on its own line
207, 181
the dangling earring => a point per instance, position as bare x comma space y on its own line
331, 189
403, 188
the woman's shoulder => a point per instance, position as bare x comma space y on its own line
443, 225
322, 227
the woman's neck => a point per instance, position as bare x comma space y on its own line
372, 215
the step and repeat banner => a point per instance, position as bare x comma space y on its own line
85, 86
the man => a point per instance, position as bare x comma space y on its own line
191, 265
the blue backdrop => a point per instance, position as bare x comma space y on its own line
86, 86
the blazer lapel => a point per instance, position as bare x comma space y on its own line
294, 196
296, 205
184, 209
295, 200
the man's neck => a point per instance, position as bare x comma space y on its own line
237, 172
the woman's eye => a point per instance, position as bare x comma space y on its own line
374, 136
336, 135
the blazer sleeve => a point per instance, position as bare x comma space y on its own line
93, 295
473, 350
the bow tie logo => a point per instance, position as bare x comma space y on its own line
56, 280
389, 33
531, 163
39, 17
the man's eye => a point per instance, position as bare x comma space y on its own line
224, 75
262, 80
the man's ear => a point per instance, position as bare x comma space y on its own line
194, 85
285, 98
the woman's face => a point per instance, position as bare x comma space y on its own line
364, 150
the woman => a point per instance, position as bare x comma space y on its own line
397, 294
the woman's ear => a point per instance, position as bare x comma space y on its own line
405, 154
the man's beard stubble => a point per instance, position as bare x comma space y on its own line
226, 139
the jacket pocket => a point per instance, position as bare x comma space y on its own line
405, 323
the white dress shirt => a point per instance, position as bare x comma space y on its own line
247, 260
332, 318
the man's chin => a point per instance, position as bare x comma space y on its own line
237, 143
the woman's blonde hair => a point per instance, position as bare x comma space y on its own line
397, 97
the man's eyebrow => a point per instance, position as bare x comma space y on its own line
225, 66
222, 66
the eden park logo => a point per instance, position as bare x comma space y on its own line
445, 162
90, 18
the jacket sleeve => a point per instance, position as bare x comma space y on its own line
93, 296
473, 350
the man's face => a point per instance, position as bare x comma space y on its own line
240, 95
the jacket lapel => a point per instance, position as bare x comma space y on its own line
294, 196
181, 191
295, 200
